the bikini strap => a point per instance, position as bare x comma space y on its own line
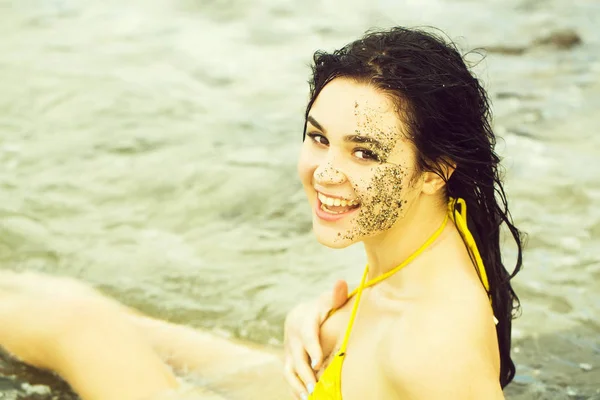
354, 312
460, 220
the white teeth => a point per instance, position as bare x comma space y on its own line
330, 201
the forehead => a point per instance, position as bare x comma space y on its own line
347, 107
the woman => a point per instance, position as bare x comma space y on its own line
398, 146
399, 130
398, 154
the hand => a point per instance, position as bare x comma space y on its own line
303, 353
36, 311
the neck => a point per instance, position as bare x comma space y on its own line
389, 249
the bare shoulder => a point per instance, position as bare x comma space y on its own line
445, 348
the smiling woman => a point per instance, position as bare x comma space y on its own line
397, 146
397, 124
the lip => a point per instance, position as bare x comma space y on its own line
330, 217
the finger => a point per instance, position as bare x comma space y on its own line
311, 346
302, 367
294, 381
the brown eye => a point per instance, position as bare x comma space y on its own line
318, 138
365, 154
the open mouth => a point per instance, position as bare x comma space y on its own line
336, 206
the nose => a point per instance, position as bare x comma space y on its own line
327, 174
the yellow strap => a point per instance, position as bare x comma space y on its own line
354, 310
460, 220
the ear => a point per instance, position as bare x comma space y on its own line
435, 180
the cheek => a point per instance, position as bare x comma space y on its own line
383, 199
389, 185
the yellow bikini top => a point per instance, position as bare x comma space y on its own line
329, 386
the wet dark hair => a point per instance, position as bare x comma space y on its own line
447, 112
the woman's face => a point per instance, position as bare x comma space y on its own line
356, 165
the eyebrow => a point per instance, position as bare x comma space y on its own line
364, 140
348, 138
314, 123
